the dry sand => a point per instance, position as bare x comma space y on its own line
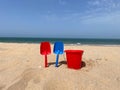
22, 68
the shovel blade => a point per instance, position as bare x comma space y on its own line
45, 48
58, 48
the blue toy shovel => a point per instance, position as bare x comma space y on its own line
58, 49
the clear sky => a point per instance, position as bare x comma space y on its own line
60, 18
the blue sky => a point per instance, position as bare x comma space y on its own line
60, 18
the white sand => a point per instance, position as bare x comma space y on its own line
22, 68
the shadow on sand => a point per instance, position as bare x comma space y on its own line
65, 63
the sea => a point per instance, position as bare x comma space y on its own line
70, 41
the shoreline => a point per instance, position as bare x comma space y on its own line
67, 41
114, 45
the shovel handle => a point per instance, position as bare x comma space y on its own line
57, 57
46, 64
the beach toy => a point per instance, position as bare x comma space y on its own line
45, 49
58, 49
74, 58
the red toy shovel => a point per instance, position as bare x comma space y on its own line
45, 49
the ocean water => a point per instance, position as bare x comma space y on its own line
71, 41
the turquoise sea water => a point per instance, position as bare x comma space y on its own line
82, 41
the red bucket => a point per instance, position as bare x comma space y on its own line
74, 58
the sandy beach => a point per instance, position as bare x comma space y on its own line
22, 68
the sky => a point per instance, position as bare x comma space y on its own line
60, 18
